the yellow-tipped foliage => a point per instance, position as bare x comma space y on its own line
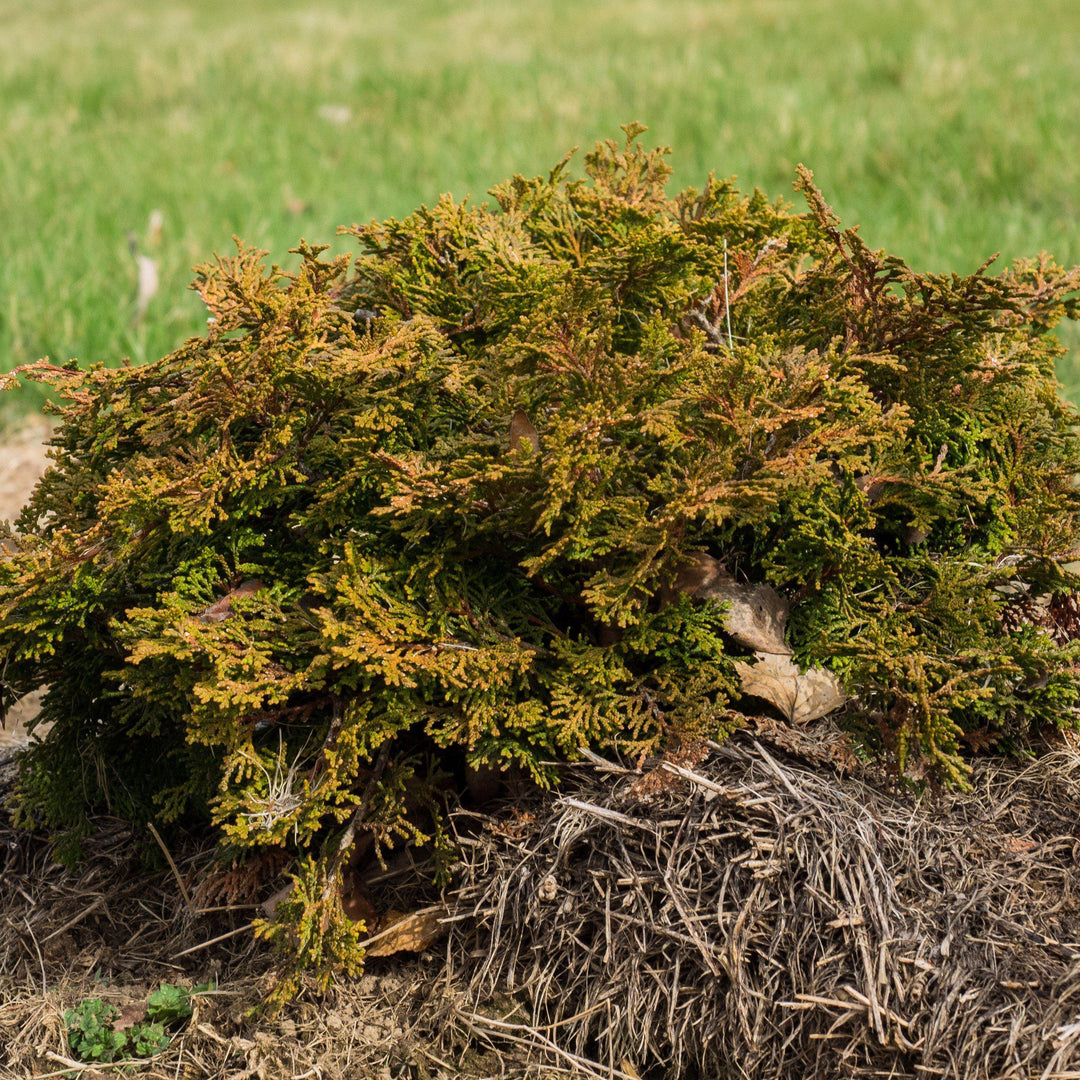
427, 508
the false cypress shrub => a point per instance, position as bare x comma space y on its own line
427, 509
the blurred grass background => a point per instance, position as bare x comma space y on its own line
947, 128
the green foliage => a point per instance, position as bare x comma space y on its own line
90, 1034
170, 1004
147, 1039
431, 508
92, 1037
312, 928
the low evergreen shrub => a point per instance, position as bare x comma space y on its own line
430, 509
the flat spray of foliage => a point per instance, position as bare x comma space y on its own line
426, 510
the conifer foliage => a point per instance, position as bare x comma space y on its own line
429, 508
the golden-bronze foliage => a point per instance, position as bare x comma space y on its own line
424, 510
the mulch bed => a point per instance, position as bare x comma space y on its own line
759, 909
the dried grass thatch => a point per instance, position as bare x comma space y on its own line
756, 917
114, 930
738, 912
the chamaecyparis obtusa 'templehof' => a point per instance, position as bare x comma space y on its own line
427, 510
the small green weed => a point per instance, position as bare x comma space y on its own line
171, 1004
90, 1033
92, 1037
147, 1039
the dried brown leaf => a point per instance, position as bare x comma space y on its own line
699, 573
756, 616
1020, 845
873, 487
800, 696
522, 431
407, 932
221, 609
130, 1014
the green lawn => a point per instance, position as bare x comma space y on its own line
948, 128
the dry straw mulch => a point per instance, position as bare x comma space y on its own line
114, 930
739, 911
761, 917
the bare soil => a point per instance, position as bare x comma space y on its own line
22, 461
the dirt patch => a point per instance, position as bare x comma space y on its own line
22, 461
